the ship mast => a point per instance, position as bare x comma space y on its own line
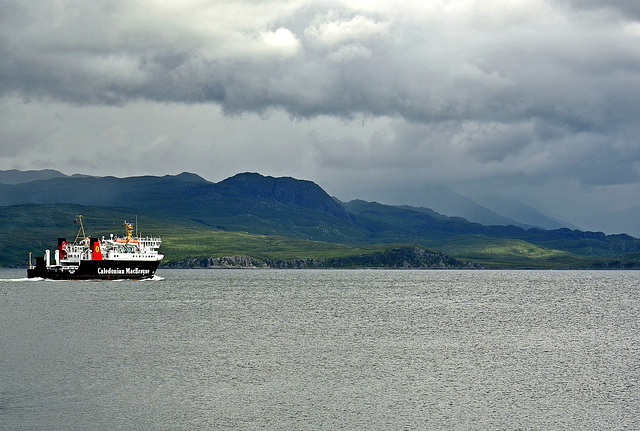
81, 230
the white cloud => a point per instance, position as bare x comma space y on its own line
281, 42
330, 31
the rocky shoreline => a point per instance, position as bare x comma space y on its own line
399, 257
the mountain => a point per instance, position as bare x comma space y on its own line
389, 223
627, 220
245, 202
259, 205
444, 200
526, 215
153, 192
487, 210
286, 190
15, 176
386, 223
107, 191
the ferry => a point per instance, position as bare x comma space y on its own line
100, 258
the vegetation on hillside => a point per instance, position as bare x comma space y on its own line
36, 227
279, 220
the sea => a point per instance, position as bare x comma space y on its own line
322, 350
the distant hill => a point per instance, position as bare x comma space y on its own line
108, 191
627, 220
526, 215
287, 207
445, 201
486, 210
400, 224
15, 176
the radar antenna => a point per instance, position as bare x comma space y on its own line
129, 230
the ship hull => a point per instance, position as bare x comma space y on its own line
96, 269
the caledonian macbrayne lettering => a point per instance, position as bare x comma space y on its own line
125, 271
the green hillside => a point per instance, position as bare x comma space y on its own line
182, 239
275, 219
512, 253
36, 227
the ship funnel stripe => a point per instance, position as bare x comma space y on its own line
96, 254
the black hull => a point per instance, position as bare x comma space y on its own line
96, 269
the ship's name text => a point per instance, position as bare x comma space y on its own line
125, 271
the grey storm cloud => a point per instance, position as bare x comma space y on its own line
626, 8
468, 90
326, 59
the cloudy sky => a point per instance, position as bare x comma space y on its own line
532, 100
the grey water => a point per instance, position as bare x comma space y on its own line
322, 349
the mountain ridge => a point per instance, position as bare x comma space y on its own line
436, 197
15, 176
297, 209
